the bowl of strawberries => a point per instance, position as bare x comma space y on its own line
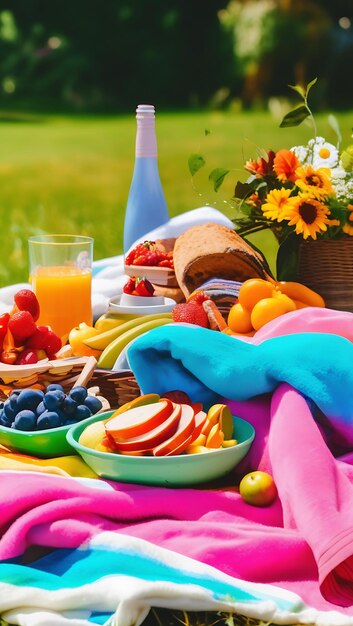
22, 342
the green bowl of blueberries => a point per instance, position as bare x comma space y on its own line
36, 422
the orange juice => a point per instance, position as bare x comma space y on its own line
64, 296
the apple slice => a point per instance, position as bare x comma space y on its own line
215, 437
181, 447
139, 421
226, 422
214, 413
153, 437
200, 420
148, 398
182, 434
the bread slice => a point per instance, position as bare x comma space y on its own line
214, 251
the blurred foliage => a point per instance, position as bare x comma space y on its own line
90, 55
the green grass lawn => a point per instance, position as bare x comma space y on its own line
72, 174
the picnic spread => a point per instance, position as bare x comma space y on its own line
241, 374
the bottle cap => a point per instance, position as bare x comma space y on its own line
145, 108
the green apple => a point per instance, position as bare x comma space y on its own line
258, 488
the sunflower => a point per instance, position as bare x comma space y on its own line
309, 216
312, 181
348, 227
276, 202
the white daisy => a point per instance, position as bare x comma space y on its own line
301, 152
324, 155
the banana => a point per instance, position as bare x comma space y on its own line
101, 341
108, 321
112, 351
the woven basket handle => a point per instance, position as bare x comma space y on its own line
86, 373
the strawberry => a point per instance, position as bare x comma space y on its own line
190, 313
27, 357
22, 326
38, 340
52, 344
26, 300
139, 251
143, 287
129, 286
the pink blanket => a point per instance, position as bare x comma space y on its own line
303, 542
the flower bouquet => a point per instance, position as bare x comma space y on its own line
304, 195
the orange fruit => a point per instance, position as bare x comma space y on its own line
266, 310
239, 319
290, 304
253, 290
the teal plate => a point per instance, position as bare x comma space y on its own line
180, 470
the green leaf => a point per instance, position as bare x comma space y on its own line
242, 190
310, 85
295, 117
217, 177
299, 89
347, 160
287, 258
333, 122
195, 162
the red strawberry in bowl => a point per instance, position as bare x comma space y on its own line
143, 287
129, 286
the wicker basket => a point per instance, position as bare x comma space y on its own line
116, 387
326, 266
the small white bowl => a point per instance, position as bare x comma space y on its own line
116, 306
128, 299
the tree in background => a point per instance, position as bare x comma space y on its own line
277, 42
87, 54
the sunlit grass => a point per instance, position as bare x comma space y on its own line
72, 174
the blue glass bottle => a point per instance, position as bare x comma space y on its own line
146, 206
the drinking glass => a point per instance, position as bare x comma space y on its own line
61, 275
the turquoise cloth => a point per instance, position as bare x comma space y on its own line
208, 364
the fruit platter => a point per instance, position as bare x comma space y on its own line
163, 441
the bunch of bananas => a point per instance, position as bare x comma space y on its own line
111, 334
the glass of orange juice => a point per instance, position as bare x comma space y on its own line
61, 276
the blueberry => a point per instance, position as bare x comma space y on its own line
48, 419
55, 387
94, 404
54, 399
13, 402
15, 392
8, 410
5, 421
69, 406
40, 408
82, 412
29, 399
68, 422
25, 420
79, 394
